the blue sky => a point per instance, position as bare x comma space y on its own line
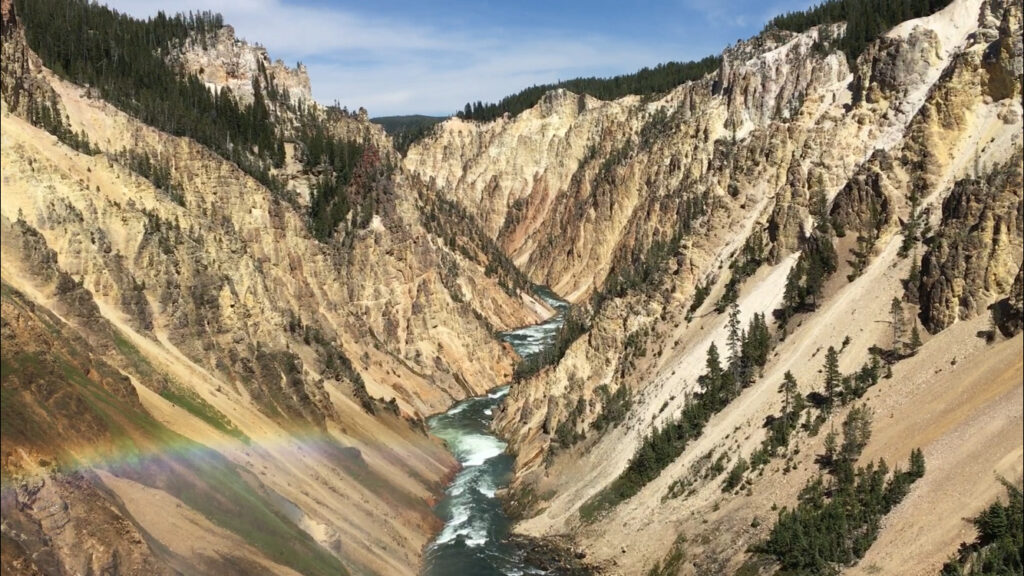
408, 57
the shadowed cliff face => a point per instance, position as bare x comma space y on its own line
1011, 318
971, 259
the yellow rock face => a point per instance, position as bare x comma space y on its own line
229, 321
780, 123
194, 356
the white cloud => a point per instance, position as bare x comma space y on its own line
394, 66
719, 13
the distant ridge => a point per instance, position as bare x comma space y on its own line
405, 130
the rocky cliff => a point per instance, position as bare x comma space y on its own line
187, 357
716, 192
223, 61
970, 261
211, 345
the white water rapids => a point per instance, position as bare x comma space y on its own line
473, 540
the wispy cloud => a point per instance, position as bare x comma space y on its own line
719, 13
303, 31
407, 58
394, 65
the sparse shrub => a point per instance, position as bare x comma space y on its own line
735, 477
836, 521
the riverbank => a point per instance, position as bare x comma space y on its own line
555, 555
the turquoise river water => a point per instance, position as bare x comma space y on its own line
474, 540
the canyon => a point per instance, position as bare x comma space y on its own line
197, 381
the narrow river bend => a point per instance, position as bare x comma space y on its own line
474, 539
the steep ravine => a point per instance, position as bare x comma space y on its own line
474, 539
182, 369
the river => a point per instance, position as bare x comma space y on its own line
474, 541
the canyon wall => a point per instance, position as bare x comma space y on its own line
724, 184
221, 362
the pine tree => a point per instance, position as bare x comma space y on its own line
815, 281
831, 449
712, 377
915, 338
856, 432
791, 297
756, 342
789, 390
819, 209
913, 225
917, 467
735, 342
898, 321
833, 378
